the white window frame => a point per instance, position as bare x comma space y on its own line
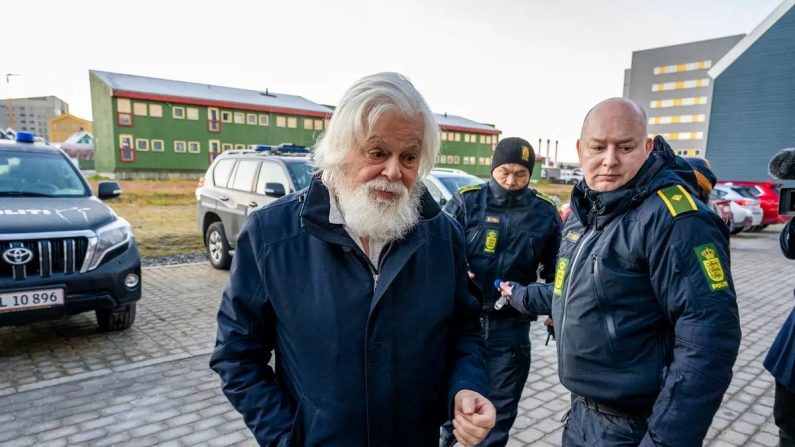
281, 121
226, 147
239, 118
145, 147
308, 124
251, 119
210, 145
162, 145
192, 113
263, 120
227, 114
140, 109
292, 122
181, 111
123, 105
127, 137
240, 146
184, 146
198, 146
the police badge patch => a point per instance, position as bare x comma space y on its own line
560, 276
711, 267
491, 241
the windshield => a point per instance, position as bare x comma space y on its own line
454, 183
300, 172
32, 174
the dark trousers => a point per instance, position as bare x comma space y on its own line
508, 363
784, 415
589, 427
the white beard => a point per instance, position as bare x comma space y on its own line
370, 216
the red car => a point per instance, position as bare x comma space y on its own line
767, 192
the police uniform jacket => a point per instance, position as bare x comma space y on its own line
511, 235
364, 356
780, 360
644, 303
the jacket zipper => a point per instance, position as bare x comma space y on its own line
569, 275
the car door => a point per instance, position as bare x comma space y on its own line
241, 198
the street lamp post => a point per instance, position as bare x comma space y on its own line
10, 103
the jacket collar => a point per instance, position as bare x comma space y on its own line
502, 196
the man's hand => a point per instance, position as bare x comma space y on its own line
474, 417
471, 275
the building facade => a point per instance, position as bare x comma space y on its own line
31, 114
466, 145
753, 107
61, 127
672, 85
157, 128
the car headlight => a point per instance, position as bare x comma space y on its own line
109, 237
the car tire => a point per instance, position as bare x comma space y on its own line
116, 319
736, 230
217, 246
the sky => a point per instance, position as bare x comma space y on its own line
533, 68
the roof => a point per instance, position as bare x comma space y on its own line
143, 87
453, 122
77, 141
746, 43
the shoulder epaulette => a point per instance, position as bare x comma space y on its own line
545, 197
470, 188
677, 199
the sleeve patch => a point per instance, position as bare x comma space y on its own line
677, 199
469, 188
711, 267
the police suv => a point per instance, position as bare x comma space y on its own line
62, 251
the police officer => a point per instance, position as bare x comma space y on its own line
643, 299
512, 233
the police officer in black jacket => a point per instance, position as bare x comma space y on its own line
512, 233
643, 300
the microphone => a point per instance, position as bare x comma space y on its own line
782, 165
503, 300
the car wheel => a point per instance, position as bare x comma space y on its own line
736, 230
217, 246
116, 319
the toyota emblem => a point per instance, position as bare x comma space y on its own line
17, 255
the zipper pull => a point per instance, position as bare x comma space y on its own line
375, 282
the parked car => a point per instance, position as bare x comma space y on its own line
745, 208
768, 194
442, 183
239, 182
62, 250
722, 208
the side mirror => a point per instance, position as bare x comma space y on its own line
274, 190
108, 190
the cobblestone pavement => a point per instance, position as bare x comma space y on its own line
65, 383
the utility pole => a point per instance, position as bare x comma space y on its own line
10, 103
556, 151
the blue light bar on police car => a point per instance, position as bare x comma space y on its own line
25, 137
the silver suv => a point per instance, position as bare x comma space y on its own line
239, 182
443, 183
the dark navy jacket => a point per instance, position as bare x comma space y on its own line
644, 303
524, 228
359, 361
780, 360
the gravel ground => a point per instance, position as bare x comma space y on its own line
187, 258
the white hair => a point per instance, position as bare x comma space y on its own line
361, 106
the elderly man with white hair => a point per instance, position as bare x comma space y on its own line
359, 286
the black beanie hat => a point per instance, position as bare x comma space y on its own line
513, 150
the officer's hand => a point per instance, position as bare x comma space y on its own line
506, 287
471, 275
548, 322
474, 417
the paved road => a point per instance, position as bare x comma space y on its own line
64, 383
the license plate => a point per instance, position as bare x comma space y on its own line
30, 299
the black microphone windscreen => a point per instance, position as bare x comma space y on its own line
782, 166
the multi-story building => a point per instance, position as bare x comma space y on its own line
672, 85
30, 114
157, 128
753, 107
61, 127
466, 144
